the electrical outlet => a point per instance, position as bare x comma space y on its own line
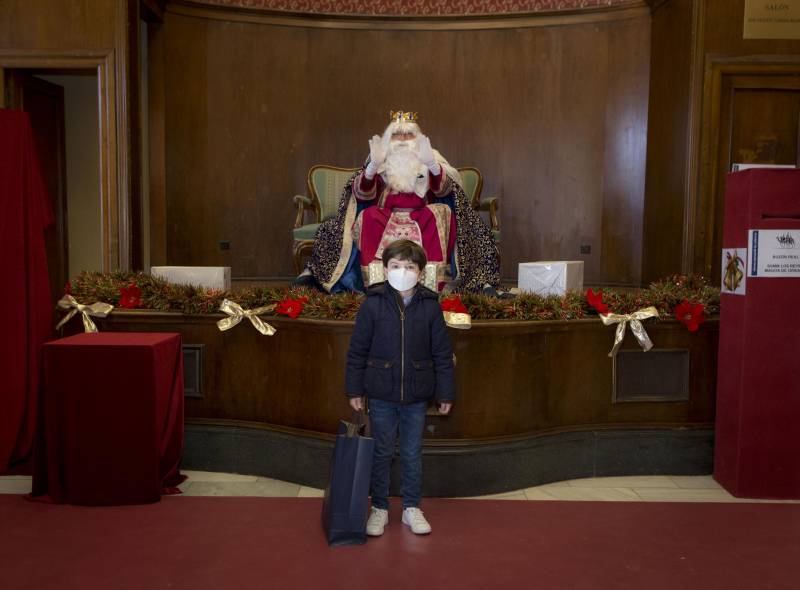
586, 249
224, 245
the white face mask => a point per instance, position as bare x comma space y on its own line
402, 279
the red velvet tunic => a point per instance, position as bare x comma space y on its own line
375, 219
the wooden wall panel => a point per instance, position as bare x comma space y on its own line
667, 139
765, 124
556, 376
689, 37
625, 149
77, 24
555, 117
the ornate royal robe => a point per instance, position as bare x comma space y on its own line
395, 216
473, 258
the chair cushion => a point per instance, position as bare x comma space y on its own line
305, 232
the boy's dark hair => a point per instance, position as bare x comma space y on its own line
405, 250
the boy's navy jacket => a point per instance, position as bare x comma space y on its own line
400, 354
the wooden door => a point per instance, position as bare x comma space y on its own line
759, 123
44, 103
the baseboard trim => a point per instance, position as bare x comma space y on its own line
480, 470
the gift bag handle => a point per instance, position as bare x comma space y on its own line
359, 418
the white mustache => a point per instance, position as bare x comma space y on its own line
402, 145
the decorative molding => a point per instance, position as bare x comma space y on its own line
153, 10
123, 236
455, 444
415, 8
619, 10
656, 4
636, 375
696, 73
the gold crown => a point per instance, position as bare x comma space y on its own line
402, 117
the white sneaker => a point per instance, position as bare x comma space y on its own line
414, 518
378, 519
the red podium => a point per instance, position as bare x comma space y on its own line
757, 446
111, 419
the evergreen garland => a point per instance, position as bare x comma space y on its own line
159, 295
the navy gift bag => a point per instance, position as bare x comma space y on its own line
346, 503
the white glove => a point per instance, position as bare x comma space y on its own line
425, 154
377, 154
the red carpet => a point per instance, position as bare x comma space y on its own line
197, 543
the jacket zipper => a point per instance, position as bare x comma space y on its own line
402, 349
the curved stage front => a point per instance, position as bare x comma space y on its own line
537, 401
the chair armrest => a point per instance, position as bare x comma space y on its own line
492, 204
302, 203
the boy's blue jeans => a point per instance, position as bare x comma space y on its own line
386, 419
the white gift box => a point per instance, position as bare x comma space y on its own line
551, 277
210, 277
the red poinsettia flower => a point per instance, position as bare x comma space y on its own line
690, 314
130, 297
596, 301
454, 304
291, 307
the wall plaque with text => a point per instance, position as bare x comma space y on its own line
772, 19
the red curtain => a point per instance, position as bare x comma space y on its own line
27, 312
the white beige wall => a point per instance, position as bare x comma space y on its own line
83, 170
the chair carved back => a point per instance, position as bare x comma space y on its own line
472, 183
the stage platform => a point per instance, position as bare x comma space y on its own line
538, 401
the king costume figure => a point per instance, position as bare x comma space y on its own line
405, 190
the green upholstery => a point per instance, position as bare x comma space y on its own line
328, 184
472, 184
305, 232
470, 180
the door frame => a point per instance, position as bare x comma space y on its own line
19, 84
114, 202
702, 200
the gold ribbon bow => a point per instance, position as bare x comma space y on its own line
637, 328
99, 310
238, 313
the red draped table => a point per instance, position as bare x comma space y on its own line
111, 421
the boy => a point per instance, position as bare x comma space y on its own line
400, 357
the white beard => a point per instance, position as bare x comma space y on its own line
402, 167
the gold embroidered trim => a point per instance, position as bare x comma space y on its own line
347, 245
442, 213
